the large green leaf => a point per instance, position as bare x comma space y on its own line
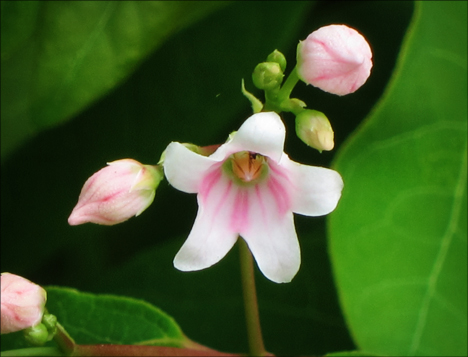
399, 236
60, 56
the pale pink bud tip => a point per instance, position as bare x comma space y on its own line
116, 193
22, 303
335, 58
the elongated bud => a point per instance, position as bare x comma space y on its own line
267, 75
314, 129
278, 57
116, 193
335, 58
22, 303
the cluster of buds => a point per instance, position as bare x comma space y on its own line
335, 58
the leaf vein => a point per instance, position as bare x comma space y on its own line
440, 259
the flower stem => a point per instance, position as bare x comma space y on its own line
63, 339
288, 86
254, 332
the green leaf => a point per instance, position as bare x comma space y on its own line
94, 319
60, 56
399, 235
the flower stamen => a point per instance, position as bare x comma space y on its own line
247, 166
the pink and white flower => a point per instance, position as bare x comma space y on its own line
250, 187
116, 193
22, 303
335, 58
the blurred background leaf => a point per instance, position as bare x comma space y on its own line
399, 236
59, 57
188, 90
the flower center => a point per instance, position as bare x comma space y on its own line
246, 167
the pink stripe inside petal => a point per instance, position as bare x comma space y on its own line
240, 212
208, 183
280, 195
260, 200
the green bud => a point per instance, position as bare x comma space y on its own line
50, 322
278, 57
36, 335
267, 75
314, 129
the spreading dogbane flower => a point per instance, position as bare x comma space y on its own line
22, 303
250, 187
335, 58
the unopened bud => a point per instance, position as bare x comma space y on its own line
22, 303
50, 322
116, 193
314, 129
267, 75
278, 57
36, 335
335, 58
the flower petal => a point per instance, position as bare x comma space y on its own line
263, 133
185, 169
315, 190
271, 235
262, 215
212, 235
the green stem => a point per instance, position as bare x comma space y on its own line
288, 86
254, 332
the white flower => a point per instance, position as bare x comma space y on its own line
250, 187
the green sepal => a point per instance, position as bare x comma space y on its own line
257, 105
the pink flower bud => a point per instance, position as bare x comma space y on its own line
335, 58
116, 193
22, 303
